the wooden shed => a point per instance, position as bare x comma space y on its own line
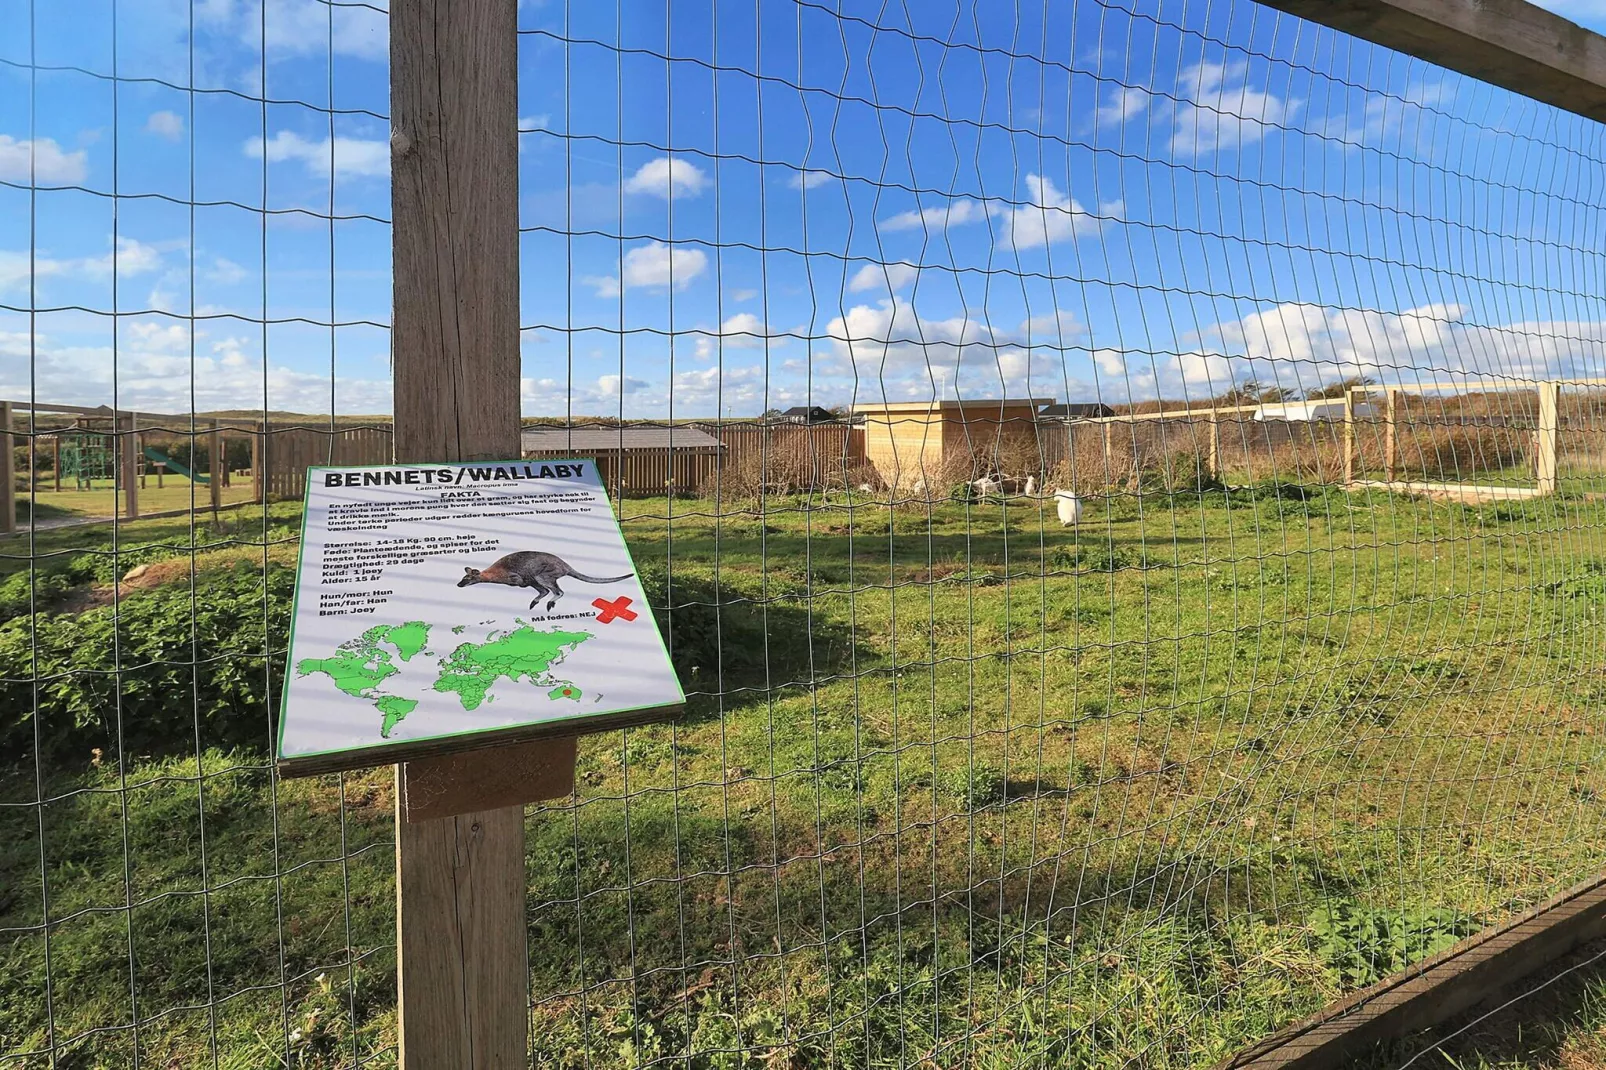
946, 441
634, 460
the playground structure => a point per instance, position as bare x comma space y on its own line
87, 444
82, 457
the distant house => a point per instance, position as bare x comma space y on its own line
1322, 410
1075, 410
805, 414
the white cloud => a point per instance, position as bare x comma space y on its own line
952, 213
226, 272
1221, 111
621, 384
892, 277
667, 177
301, 27
1050, 216
811, 179
543, 121
165, 124
131, 258
741, 331
1127, 102
1383, 116
653, 266
743, 295
910, 356
41, 160
348, 156
155, 373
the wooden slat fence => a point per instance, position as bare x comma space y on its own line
286, 451
777, 457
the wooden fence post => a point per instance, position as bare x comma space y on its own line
1391, 444
214, 481
8, 475
462, 970
1545, 436
128, 448
1349, 436
55, 460
1215, 447
259, 454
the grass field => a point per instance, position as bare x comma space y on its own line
956, 786
102, 498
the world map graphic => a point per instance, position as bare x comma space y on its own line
363, 666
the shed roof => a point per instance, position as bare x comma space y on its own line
977, 405
606, 439
1077, 409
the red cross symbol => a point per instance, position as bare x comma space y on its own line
616, 608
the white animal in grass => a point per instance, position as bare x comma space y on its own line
1069, 507
1031, 486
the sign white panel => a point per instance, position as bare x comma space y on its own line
445, 607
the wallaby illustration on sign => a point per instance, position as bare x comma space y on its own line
531, 568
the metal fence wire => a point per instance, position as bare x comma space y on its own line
1114, 735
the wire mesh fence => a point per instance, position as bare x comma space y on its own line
1114, 734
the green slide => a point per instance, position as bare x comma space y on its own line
154, 454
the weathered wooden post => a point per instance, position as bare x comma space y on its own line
462, 971
1391, 447
214, 444
1349, 436
55, 459
1546, 435
8, 476
259, 455
128, 457
1215, 447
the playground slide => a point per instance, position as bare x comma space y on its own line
154, 454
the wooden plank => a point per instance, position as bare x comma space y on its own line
1391, 448
463, 976
8, 475
1509, 43
1436, 989
1349, 436
128, 443
215, 478
259, 455
1214, 461
544, 769
1545, 436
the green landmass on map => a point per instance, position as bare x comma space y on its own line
471, 669
358, 666
394, 707
564, 690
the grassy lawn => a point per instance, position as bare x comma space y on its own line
103, 498
956, 786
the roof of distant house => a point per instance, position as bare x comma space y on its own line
814, 414
1077, 410
586, 440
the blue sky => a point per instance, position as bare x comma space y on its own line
806, 202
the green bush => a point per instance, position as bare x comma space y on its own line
142, 665
1364, 945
